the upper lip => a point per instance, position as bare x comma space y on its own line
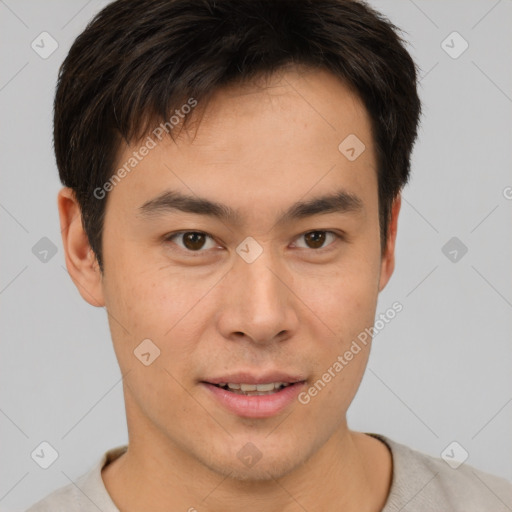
253, 378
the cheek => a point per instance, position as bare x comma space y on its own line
343, 296
341, 357
344, 301
146, 308
149, 305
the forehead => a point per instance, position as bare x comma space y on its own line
259, 145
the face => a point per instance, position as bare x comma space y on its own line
253, 296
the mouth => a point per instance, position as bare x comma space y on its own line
255, 397
254, 389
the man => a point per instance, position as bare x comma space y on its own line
232, 175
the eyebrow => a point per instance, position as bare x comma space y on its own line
340, 201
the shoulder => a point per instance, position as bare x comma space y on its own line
64, 498
87, 493
424, 483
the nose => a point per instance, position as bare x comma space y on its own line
258, 303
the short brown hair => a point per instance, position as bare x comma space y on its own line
137, 61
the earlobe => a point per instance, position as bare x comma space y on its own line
80, 259
388, 258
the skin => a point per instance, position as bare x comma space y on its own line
294, 308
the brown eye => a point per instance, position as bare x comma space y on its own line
315, 239
192, 241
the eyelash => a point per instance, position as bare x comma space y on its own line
171, 236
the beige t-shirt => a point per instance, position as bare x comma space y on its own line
420, 483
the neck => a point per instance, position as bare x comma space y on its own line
350, 472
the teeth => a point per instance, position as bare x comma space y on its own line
271, 386
266, 387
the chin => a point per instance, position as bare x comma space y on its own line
240, 460
262, 471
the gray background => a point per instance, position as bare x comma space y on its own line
439, 372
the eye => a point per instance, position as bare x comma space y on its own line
316, 239
196, 241
192, 241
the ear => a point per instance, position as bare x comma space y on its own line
388, 258
80, 259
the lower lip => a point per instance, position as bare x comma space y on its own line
256, 406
